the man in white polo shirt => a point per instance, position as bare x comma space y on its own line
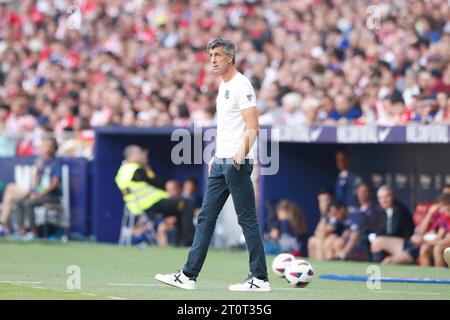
229, 173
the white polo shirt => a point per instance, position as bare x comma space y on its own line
234, 95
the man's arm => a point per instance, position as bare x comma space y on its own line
320, 229
426, 221
251, 132
351, 243
54, 184
141, 175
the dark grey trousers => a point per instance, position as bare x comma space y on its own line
223, 180
25, 208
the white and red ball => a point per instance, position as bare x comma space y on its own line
280, 263
299, 273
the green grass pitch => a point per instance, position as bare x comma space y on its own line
39, 271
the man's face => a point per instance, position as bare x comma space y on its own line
189, 187
173, 188
338, 214
385, 198
46, 149
362, 193
143, 155
139, 155
341, 161
219, 60
324, 200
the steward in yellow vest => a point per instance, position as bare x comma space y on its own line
143, 192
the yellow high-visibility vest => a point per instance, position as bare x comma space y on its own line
138, 195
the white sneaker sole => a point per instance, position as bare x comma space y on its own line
266, 289
161, 278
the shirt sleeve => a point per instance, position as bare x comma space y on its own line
246, 97
57, 170
141, 175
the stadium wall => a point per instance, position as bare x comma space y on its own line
414, 161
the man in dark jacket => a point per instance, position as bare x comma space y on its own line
397, 226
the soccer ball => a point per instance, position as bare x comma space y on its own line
280, 263
299, 273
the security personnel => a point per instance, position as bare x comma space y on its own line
143, 192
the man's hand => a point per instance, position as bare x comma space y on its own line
237, 164
416, 239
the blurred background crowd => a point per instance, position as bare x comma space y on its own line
144, 63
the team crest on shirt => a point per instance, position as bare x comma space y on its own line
249, 97
227, 94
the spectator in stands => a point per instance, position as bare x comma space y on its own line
290, 114
443, 113
290, 228
344, 111
46, 188
430, 110
135, 178
341, 234
346, 181
368, 218
443, 84
315, 242
154, 71
397, 226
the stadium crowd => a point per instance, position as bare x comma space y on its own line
143, 63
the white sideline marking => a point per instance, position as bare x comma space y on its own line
89, 294
137, 284
116, 298
399, 292
20, 282
39, 288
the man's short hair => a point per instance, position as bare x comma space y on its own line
387, 188
53, 140
192, 180
228, 47
326, 190
128, 151
338, 204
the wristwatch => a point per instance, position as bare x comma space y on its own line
236, 164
